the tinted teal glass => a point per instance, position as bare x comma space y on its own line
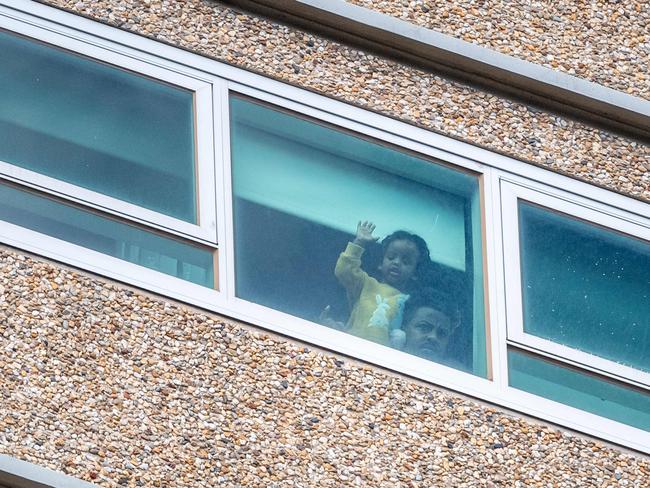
580, 390
585, 286
97, 126
300, 188
105, 235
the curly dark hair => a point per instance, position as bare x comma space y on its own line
424, 260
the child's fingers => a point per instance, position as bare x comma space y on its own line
366, 226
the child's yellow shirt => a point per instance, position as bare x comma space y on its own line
376, 307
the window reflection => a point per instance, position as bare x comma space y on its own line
97, 126
579, 389
352, 234
585, 286
89, 229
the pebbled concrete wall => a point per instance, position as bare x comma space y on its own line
604, 41
415, 96
122, 388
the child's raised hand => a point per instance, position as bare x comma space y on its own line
364, 234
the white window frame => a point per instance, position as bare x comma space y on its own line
493, 169
91, 47
310, 331
588, 212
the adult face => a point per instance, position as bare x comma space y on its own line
427, 333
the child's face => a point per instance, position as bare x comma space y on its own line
399, 263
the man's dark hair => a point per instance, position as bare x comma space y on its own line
432, 298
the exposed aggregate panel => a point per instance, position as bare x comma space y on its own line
603, 41
369, 81
120, 388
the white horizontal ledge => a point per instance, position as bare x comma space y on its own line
464, 60
15, 473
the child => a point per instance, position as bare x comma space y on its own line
377, 305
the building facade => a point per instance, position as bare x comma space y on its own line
175, 305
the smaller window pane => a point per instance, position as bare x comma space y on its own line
97, 126
585, 287
580, 390
128, 242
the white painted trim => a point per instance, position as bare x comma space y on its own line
16, 472
497, 289
110, 205
570, 199
206, 123
581, 208
105, 265
576, 419
39, 17
227, 203
587, 361
222, 172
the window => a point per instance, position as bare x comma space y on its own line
579, 293
420, 289
109, 156
571, 386
507, 282
585, 286
98, 126
108, 130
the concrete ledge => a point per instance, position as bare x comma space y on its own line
464, 61
15, 473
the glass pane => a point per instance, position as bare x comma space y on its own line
105, 235
580, 390
585, 287
97, 126
300, 190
